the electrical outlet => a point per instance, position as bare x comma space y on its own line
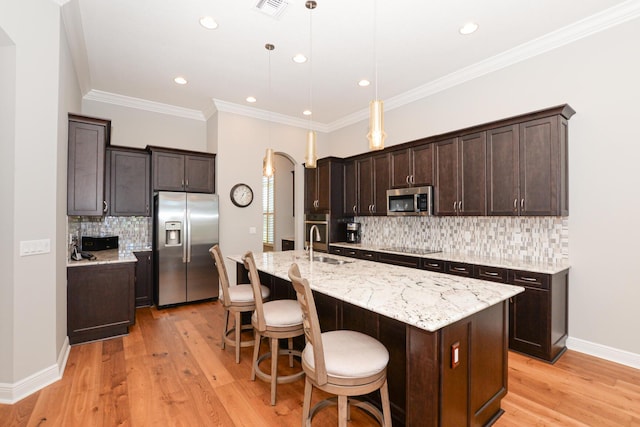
455, 354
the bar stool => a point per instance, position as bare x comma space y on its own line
237, 300
275, 320
344, 363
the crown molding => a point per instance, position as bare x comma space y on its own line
143, 104
593, 24
257, 113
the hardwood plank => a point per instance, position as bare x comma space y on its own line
171, 371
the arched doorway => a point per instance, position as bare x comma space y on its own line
279, 204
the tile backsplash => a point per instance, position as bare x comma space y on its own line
134, 232
530, 239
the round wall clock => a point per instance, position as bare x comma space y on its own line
241, 195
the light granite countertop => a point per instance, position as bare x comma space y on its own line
420, 298
545, 268
109, 256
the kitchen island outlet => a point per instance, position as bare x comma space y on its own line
446, 335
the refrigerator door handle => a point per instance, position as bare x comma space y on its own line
188, 245
185, 243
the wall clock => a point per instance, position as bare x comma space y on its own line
241, 195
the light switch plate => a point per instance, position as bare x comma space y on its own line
35, 247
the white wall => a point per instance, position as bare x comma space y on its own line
131, 127
283, 195
598, 77
35, 193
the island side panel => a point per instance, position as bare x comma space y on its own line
423, 377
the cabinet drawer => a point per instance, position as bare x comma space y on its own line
368, 255
526, 278
403, 260
459, 269
336, 250
432, 265
493, 274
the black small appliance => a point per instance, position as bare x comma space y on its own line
99, 243
353, 232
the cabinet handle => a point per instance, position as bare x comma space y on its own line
407, 180
373, 208
490, 273
522, 204
433, 264
413, 179
106, 207
368, 255
459, 269
515, 204
351, 252
529, 279
460, 206
454, 206
511, 300
187, 183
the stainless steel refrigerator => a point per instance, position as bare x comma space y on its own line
185, 227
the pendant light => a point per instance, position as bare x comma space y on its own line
268, 162
376, 133
311, 156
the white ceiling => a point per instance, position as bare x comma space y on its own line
136, 48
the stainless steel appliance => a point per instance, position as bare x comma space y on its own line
353, 232
410, 201
185, 227
322, 221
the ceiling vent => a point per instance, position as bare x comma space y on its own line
272, 8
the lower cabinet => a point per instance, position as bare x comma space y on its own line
144, 278
100, 301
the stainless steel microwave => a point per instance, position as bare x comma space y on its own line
410, 201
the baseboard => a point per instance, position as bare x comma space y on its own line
12, 393
603, 352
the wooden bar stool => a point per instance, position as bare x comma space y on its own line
344, 363
235, 299
275, 320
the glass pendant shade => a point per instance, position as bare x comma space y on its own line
311, 157
267, 164
376, 135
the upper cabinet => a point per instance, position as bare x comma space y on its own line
178, 170
460, 175
373, 180
324, 187
350, 205
88, 138
128, 176
412, 167
527, 166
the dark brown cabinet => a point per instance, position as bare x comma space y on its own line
144, 278
178, 170
128, 176
527, 166
412, 166
538, 316
324, 187
88, 138
100, 301
350, 205
460, 175
373, 179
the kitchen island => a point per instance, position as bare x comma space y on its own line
446, 335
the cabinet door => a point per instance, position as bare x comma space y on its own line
129, 183
472, 174
381, 183
422, 165
401, 168
502, 171
85, 168
199, 174
168, 171
310, 190
323, 188
446, 191
539, 159
364, 172
144, 277
350, 189
528, 324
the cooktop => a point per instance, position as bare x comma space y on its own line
411, 251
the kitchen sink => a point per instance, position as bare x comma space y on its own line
330, 260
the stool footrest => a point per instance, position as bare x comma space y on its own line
281, 379
229, 337
366, 406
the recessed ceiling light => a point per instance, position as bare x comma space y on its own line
299, 59
307, 112
180, 80
468, 28
251, 99
364, 83
208, 22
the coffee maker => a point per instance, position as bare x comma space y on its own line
353, 232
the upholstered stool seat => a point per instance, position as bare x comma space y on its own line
273, 320
236, 299
343, 363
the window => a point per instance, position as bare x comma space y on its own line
267, 210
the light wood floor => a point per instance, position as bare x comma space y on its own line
171, 371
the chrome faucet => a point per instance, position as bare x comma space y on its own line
313, 227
